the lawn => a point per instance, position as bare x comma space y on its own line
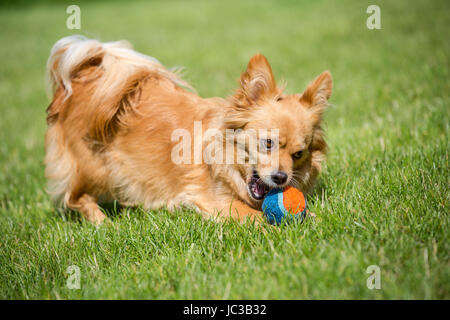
383, 197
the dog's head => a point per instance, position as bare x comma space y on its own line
288, 143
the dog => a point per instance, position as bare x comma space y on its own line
111, 125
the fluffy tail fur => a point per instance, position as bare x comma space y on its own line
118, 59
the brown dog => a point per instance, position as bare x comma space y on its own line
112, 129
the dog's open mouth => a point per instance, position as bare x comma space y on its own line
256, 187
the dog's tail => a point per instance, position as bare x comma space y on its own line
71, 54
106, 75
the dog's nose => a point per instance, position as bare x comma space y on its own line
279, 177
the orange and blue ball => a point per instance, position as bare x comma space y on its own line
284, 205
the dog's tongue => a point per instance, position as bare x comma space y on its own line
260, 189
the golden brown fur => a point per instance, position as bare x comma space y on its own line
112, 117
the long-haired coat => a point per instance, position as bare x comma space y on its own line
111, 124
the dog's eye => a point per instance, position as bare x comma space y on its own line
297, 155
267, 144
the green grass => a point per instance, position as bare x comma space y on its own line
383, 198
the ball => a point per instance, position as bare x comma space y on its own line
284, 205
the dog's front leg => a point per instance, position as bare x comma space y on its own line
234, 209
241, 211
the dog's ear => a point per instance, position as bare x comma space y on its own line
256, 83
317, 94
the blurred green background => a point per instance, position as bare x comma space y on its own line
382, 199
